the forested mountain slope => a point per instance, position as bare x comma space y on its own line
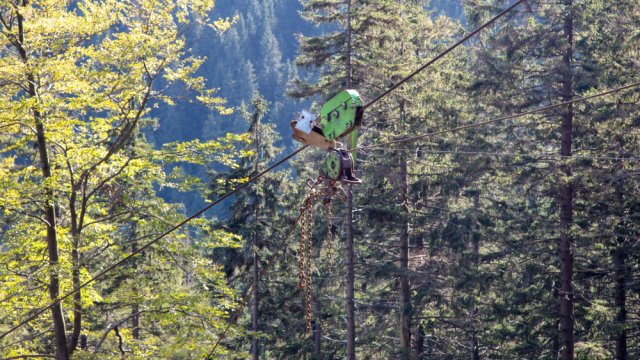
487, 242
256, 54
497, 217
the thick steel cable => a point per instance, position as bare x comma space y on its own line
444, 53
526, 155
147, 245
496, 120
286, 158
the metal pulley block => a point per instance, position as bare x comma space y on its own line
339, 117
339, 167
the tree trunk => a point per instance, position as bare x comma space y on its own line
135, 322
255, 303
59, 327
75, 273
403, 278
555, 345
621, 303
620, 273
77, 297
347, 55
419, 343
255, 350
349, 253
473, 313
135, 310
349, 292
566, 198
475, 354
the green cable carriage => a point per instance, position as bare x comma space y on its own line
339, 116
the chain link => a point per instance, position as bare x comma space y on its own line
306, 240
301, 252
305, 250
308, 266
329, 209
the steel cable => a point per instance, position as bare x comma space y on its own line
496, 120
155, 240
251, 180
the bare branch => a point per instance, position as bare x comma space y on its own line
107, 218
86, 197
115, 327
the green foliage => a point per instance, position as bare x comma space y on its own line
79, 80
479, 211
483, 262
260, 216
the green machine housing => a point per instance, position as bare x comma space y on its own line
340, 116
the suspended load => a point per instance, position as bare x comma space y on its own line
340, 116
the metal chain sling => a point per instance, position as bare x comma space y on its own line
306, 243
329, 210
301, 253
306, 248
308, 265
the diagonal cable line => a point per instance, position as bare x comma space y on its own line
444, 53
497, 120
148, 244
256, 177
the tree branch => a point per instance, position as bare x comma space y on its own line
115, 327
101, 184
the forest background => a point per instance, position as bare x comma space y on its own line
514, 240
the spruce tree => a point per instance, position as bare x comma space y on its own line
258, 216
552, 53
333, 54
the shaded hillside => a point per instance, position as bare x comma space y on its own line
256, 54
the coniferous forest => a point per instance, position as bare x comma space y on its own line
154, 204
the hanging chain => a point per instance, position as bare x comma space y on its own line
306, 248
301, 252
329, 209
308, 267
306, 238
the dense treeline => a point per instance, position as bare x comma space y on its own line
512, 240
79, 182
255, 55
517, 239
